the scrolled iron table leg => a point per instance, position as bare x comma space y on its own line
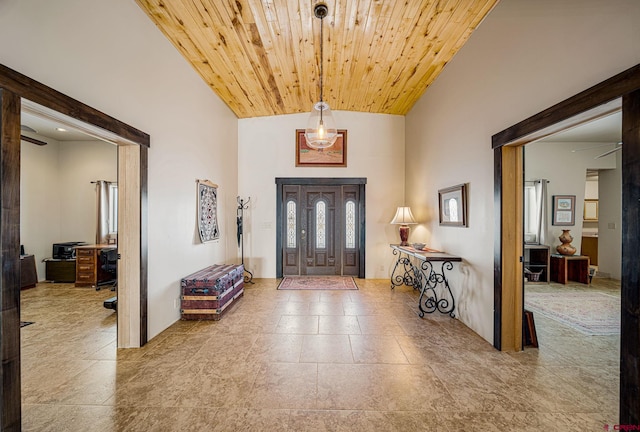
404, 274
429, 301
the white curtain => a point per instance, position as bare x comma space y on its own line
542, 206
102, 212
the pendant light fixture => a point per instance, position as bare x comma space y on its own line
321, 129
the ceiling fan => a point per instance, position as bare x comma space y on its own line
29, 139
613, 150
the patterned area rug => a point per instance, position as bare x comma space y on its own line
317, 283
589, 313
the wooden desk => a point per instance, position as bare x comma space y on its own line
566, 268
59, 270
88, 267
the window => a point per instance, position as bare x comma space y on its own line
291, 224
452, 205
113, 208
350, 225
321, 229
530, 212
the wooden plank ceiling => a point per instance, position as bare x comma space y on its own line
262, 56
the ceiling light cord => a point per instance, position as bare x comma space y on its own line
321, 55
321, 131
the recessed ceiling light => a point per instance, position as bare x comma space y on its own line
59, 129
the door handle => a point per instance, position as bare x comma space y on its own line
303, 234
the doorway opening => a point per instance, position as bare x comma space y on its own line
576, 309
592, 103
133, 144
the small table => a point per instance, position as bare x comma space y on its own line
417, 268
566, 268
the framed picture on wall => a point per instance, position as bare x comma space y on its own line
452, 203
334, 156
590, 210
564, 210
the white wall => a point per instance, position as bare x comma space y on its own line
523, 58
375, 150
567, 172
57, 199
39, 200
610, 221
110, 56
82, 162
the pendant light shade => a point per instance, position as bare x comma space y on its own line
321, 131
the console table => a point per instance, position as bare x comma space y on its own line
570, 267
419, 269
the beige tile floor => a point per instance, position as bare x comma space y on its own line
306, 361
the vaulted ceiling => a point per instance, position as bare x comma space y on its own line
261, 57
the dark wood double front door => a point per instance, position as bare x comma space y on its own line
321, 228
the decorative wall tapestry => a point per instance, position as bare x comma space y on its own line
208, 211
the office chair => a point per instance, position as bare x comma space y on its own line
109, 267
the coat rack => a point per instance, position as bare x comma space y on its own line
242, 206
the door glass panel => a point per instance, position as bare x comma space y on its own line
321, 232
350, 225
291, 224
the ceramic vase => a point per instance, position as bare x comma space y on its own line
565, 248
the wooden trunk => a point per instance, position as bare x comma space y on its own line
208, 293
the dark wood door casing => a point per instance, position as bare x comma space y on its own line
10, 259
352, 260
350, 253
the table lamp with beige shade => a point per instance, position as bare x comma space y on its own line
404, 218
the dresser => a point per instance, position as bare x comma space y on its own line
89, 270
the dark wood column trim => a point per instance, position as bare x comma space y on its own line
144, 242
630, 287
279, 222
10, 259
46, 96
363, 225
497, 249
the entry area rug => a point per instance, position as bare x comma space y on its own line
317, 283
594, 314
